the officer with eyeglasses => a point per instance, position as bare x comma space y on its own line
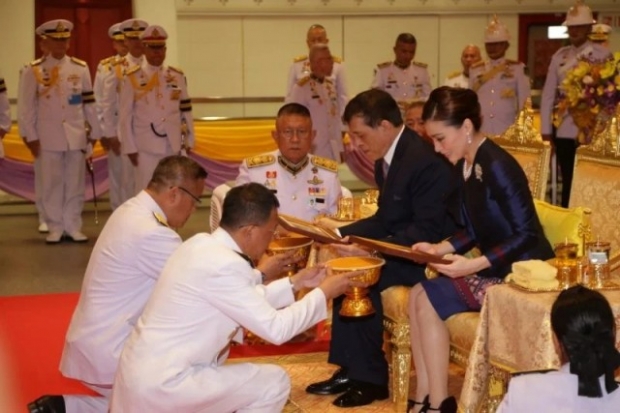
305, 184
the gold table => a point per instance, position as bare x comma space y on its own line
514, 334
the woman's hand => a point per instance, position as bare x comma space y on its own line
426, 247
349, 250
461, 266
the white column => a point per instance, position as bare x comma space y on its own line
164, 14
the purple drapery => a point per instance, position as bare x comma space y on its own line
218, 171
360, 165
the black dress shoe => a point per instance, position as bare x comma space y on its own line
449, 405
337, 383
47, 404
424, 403
361, 394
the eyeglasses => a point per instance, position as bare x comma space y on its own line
197, 200
289, 133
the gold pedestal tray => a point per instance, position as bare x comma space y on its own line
301, 245
356, 302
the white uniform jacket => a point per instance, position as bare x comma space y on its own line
326, 108
55, 100
564, 60
313, 190
502, 87
123, 267
300, 68
457, 79
404, 85
556, 392
153, 105
207, 291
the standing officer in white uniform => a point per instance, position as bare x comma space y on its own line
127, 259
404, 79
501, 84
300, 67
155, 111
306, 185
174, 358
318, 93
55, 102
5, 115
107, 81
460, 78
579, 22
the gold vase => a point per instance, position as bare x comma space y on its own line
356, 302
301, 245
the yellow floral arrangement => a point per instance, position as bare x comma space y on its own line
590, 93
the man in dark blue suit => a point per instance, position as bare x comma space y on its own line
415, 204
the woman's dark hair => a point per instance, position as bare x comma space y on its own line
248, 204
452, 105
584, 324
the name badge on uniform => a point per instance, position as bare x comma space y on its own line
75, 99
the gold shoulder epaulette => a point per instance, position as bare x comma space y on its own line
37, 62
420, 64
133, 70
117, 60
260, 160
303, 80
300, 58
383, 65
175, 69
478, 64
106, 61
325, 163
454, 74
159, 218
78, 61
337, 59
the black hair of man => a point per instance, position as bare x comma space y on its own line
175, 170
249, 204
374, 106
406, 38
294, 109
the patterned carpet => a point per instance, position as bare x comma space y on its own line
308, 368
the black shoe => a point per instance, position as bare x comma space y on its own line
361, 394
337, 383
424, 403
447, 406
47, 404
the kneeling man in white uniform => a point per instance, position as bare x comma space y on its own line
209, 290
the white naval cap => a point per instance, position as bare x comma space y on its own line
56, 29
133, 27
154, 35
496, 32
600, 32
579, 15
115, 32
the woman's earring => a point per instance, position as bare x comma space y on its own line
468, 138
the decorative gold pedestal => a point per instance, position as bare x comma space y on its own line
356, 302
301, 245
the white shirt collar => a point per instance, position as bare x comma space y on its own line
389, 155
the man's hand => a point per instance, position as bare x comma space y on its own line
349, 250
335, 285
34, 147
133, 157
309, 277
274, 265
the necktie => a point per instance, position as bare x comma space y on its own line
386, 167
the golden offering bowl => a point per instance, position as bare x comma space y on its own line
356, 303
301, 245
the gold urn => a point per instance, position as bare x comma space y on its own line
301, 245
356, 302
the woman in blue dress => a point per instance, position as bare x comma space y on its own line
498, 218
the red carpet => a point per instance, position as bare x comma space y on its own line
34, 328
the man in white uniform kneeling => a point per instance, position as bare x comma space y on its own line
209, 290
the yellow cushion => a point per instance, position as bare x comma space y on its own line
395, 300
560, 224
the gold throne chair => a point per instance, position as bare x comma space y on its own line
525, 143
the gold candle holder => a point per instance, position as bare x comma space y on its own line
598, 253
567, 263
356, 302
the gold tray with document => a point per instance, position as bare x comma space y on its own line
310, 230
611, 285
398, 251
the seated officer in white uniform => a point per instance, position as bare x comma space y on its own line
304, 184
209, 290
584, 330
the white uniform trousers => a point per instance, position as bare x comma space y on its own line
121, 178
63, 189
38, 190
147, 162
90, 404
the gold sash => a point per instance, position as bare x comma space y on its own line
47, 84
143, 90
485, 77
